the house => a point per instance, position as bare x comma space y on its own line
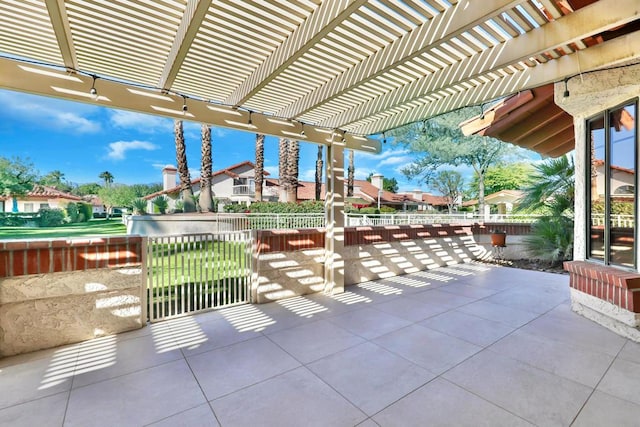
41, 196
233, 184
503, 201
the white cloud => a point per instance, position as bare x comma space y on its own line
144, 123
51, 113
118, 149
361, 173
309, 175
395, 160
273, 170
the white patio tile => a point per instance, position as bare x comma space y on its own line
200, 416
369, 323
428, 348
530, 299
412, 309
468, 327
535, 395
294, 398
445, 299
135, 399
605, 410
110, 357
46, 411
499, 313
315, 340
560, 358
577, 331
37, 376
622, 380
225, 370
369, 376
630, 352
441, 403
475, 292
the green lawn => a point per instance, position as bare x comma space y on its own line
95, 227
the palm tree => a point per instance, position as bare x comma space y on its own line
107, 177
183, 169
350, 173
319, 173
259, 176
553, 193
293, 163
283, 168
206, 198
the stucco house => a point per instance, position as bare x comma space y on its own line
41, 196
233, 184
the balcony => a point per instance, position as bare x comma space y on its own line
244, 190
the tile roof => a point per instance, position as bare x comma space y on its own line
46, 192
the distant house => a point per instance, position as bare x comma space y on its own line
504, 201
233, 184
41, 196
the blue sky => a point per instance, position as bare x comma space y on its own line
83, 140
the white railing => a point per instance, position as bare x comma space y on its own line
266, 221
195, 272
243, 190
622, 221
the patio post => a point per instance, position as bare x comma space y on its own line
334, 211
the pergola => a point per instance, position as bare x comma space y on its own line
332, 72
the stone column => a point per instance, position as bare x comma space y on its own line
334, 211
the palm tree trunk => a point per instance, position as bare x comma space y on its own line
183, 169
350, 175
319, 173
206, 198
293, 163
259, 176
283, 168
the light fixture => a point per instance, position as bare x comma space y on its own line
184, 104
384, 138
566, 88
344, 137
424, 126
250, 122
93, 91
302, 133
481, 111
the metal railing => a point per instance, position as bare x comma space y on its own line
622, 221
267, 221
196, 272
353, 220
240, 190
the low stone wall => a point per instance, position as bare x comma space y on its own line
378, 252
287, 263
165, 225
60, 291
516, 234
607, 295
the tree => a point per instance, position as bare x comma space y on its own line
450, 184
86, 189
142, 190
283, 149
107, 177
388, 184
293, 165
206, 198
116, 195
319, 173
439, 141
350, 174
56, 179
506, 176
183, 169
17, 176
552, 192
259, 171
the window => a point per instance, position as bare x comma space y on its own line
44, 205
611, 206
28, 207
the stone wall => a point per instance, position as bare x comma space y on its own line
516, 233
60, 291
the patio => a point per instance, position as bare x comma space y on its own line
471, 344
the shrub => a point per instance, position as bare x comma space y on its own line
369, 211
179, 207
551, 239
161, 203
72, 212
86, 211
51, 217
308, 206
139, 206
387, 210
235, 208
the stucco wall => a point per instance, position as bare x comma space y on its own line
56, 292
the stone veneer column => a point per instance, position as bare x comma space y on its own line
334, 211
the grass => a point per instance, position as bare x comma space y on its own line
95, 227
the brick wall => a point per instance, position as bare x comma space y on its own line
618, 287
19, 258
289, 240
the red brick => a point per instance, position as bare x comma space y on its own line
44, 260
18, 263
4, 264
32, 266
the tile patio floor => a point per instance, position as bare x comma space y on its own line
464, 345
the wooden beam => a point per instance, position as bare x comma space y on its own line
62, 30
534, 122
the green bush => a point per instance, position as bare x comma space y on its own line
369, 211
308, 206
10, 219
86, 211
179, 206
139, 206
235, 208
72, 212
161, 203
51, 217
618, 207
387, 210
551, 239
